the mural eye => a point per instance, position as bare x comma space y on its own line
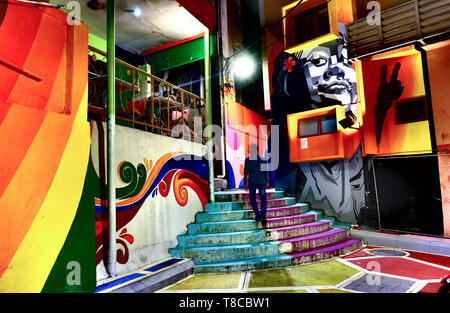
318, 61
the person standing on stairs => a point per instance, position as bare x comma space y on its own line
256, 180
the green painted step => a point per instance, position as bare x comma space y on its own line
298, 208
245, 205
242, 195
227, 252
222, 227
222, 238
249, 264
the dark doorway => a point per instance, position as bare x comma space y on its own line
409, 194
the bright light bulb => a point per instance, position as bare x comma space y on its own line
137, 12
243, 66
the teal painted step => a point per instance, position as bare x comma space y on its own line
222, 238
242, 195
250, 264
234, 215
222, 227
245, 205
227, 252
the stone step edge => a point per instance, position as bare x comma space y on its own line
269, 219
346, 243
242, 191
245, 261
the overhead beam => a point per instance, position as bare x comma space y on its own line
202, 10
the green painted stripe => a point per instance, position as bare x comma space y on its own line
78, 247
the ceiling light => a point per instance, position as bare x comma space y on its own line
137, 12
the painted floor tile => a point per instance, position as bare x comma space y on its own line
209, 281
333, 290
326, 273
373, 283
432, 258
401, 267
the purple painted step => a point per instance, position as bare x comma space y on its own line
313, 241
290, 220
295, 209
343, 247
278, 233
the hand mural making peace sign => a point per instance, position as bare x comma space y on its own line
387, 93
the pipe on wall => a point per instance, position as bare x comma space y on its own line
111, 122
208, 115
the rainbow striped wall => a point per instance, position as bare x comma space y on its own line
47, 221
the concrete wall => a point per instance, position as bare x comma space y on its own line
438, 61
158, 193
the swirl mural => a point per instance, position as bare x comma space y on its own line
142, 188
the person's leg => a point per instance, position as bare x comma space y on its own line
263, 199
252, 194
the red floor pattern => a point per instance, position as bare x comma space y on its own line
401, 266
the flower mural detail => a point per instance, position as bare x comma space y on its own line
123, 255
288, 64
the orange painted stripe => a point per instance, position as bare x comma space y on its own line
24, 195
16, 135
44, 60
12, 37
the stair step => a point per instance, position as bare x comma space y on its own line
298, 208
226, 252
245, 205
290, 220
307, 242
249, 264
222, 238
333, 222
285, 232
222, 227
343, 247
242, 195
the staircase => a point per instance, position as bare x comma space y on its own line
225, 238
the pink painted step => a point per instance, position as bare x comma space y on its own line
291, 220
327, 237
278, 233
285, 211
343, 247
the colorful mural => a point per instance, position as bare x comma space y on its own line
242, 128
157, 192
388, 81
314, 81
44, 139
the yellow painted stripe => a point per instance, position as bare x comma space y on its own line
34, 259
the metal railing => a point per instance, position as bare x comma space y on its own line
144, 101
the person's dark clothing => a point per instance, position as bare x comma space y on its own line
253, 169
256, 180
260, 214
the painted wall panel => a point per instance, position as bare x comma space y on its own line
44, 139
161, 183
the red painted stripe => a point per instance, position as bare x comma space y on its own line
14, 46
172, 44
202, 10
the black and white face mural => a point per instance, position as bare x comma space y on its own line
318, 77
328, 73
